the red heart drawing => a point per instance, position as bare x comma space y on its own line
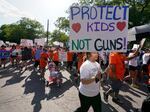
121, 25
76, 27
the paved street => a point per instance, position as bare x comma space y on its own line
22, 91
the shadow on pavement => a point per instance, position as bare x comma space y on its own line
127, 105
16, 78
7, 72
57, 92
34, 85
108, 108
127, 88
129, 98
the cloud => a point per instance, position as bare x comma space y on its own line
8, 10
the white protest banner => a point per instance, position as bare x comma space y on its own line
56, 43
40, 41
62, 56
61, 44
30, 42
23, 42
12, 44
26, 42
1, 43
98, 28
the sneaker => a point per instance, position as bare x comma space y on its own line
105, 97
117, 100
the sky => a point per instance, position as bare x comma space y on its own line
40, 10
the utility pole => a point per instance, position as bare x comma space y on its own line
47, 30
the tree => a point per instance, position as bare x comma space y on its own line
24, 28
62, 23
59, 36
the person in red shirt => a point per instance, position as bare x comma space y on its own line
56, 56
43, 61
50, 53
69, 60
33, 53
81, 59
116, 74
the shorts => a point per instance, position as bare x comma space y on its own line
133, 68
145, 68
116, 85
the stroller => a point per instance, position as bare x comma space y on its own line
55, 76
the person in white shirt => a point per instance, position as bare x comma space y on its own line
89, 88
145, 59
132, 69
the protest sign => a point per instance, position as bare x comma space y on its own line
56, 43
40, 41
98, 28
26, 42
63, 56
30, 42
1, 43
4, 54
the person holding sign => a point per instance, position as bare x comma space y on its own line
69, 60
81, 59
133, 67
56, 56
116, 73
89, 91
145, 59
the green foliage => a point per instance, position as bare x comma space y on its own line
59, 36
62, 24
24, 28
